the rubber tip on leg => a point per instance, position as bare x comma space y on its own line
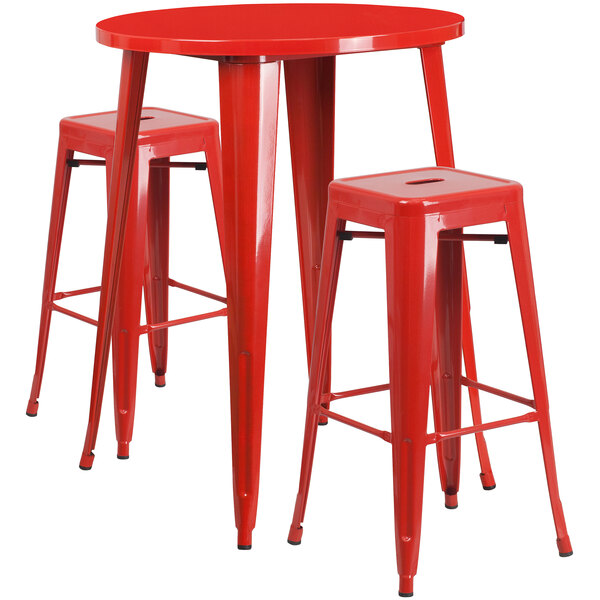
159, 380
32, 408
406, 586
564, 546
321, 424
295, 535
451, 501
487, 481
86, 462
123, 451
244, 539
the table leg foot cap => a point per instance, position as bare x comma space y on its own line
244, 546
451, 501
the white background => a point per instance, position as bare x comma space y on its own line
523, 90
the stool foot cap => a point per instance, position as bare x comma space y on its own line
406, 594
122, 457
564, 546
244, 546
86, 462
159, 380
295, 535
32, 408
487, 480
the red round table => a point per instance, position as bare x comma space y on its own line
250, 42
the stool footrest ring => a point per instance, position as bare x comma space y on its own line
384, 435
157, 326
75, 315
496, 392
439, 436
330, 397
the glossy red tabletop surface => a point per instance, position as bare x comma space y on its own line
279, 29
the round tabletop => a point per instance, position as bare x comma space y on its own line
279, 30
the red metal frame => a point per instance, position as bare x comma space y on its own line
438, 436
425, 308
162, 134
250, 41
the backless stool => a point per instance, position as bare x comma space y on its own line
422, 213
163, 134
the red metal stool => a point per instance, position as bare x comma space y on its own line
163, 134
422, 213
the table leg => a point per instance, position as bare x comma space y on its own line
126, 324
447, 363
131, 93
433, 72
156, 273
249, 101
310, 92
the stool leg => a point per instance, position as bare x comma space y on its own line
62, 177
411, 252
215, 175
126, 336
446, 384
330, 268
310, 93
487, 477
519, 246
435, 86
131, 94
156, 273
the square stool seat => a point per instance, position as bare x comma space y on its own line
423, 191
156, 127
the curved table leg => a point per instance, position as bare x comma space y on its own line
131, 94
249, 101
433, 72
310, 92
